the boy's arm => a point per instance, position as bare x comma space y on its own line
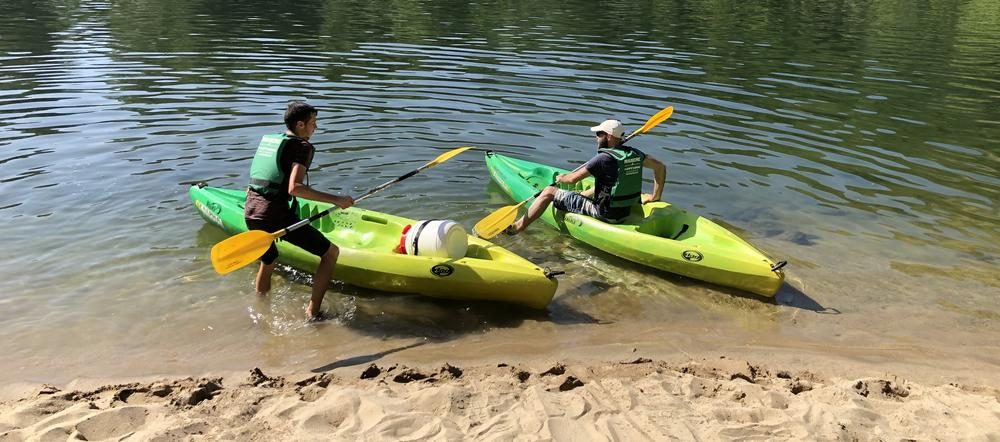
659, 177
298, 188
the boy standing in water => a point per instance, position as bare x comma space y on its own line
279, 174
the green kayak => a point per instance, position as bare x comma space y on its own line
658, 234
367, 240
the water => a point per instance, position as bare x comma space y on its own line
858, 141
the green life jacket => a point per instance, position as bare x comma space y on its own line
266, 175
627, 189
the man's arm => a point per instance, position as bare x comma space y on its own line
659, 177
579, 174
298, 188
573, 177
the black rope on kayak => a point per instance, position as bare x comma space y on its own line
684, 228
549, 273
778, 265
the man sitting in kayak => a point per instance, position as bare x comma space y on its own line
617, 170
278, 175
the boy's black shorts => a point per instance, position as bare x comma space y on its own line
306, 237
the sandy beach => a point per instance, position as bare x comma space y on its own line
639, 398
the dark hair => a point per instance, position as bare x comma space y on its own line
298, 111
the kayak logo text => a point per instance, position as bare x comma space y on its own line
692, 255
442, 270
208, 213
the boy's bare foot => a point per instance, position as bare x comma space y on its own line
314, 314
321, 316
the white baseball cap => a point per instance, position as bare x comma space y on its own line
611, 127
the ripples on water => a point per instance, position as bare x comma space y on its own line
847, 138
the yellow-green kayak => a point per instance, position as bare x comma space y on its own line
658, 234
367, 240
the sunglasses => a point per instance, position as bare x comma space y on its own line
600, 134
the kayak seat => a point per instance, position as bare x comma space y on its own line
684, 228
656, 226
528, 177
323, 224
666, 222
339, 226
540, 177
477, 252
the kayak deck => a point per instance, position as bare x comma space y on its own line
657, 235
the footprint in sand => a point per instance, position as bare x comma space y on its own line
113, 423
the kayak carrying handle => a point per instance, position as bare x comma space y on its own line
778, 265
553, 273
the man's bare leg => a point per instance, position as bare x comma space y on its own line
535, 210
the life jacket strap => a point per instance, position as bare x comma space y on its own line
265, 183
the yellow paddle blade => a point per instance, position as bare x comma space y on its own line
495, 222
446, 156
240, 250
657, 118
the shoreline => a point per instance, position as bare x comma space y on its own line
927, 365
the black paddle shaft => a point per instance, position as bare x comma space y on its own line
366, 195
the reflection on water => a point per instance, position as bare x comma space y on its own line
856, 141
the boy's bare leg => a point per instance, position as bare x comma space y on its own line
263, 280
321, 281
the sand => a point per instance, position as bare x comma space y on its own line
634, 399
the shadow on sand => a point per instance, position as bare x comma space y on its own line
363, 359
389, 315
792, 297
393, 316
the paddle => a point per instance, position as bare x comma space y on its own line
503, 217
247, 247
